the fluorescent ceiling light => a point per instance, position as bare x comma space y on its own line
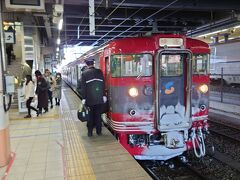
236, 27
215, 32
58, 41
60, 24
57, 49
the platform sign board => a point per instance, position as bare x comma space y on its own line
25, 5
9, 37
21, 102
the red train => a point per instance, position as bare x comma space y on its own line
157, 88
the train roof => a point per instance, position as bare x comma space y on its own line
147, 43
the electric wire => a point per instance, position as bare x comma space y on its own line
158, 19
144, 19
121, 23
84, 17
107, 15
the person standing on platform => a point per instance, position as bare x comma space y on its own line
57, 92
42, 92
50, 79
29, 94
92, 92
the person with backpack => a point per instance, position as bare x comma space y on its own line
92, 92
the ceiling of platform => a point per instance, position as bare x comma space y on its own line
122, 18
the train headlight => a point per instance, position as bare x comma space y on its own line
203, 88
133, 92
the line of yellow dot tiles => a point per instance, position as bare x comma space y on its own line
77, 163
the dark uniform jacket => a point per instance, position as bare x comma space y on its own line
92, 86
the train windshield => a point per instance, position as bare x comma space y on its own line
172, 65
200, 64
131, 65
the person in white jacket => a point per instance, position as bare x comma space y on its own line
29, 94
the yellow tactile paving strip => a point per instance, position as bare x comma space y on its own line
78, 165
15, 115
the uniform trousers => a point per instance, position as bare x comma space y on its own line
95, 119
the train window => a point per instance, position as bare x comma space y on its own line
200, 64
133, 65
172, 65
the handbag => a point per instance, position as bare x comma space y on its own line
83, 113
34, 103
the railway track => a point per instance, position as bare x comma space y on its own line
226, 160
171, 169
211, 167
226, 138
226, 130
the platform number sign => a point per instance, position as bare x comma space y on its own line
9, 37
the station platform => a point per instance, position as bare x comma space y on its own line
224, 112
55, 146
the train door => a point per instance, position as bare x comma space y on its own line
107, 89
107, 77
173, 82
107, 72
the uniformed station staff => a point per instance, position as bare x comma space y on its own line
92, 92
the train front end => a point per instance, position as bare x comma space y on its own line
150, 96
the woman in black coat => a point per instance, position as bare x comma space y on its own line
42, 91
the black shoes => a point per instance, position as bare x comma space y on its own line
38, 112
45, 110
51, 106
28, 116
90, 134
99, 132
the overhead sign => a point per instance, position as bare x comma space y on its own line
9, 37
25, 5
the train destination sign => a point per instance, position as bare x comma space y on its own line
170, 42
